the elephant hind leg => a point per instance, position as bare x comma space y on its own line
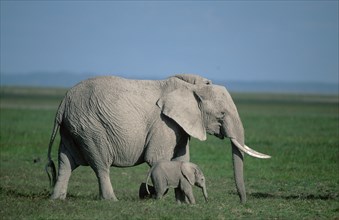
160, 187
160, 193
105, 186
66, 166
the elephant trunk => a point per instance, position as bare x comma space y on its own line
204, 191
238, 158
233, 129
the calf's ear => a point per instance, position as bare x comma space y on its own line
188, 172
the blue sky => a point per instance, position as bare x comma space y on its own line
289, 41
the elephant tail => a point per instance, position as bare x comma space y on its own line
50, 164
148, 176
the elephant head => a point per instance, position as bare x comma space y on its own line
193, 79
194, 176
208, 108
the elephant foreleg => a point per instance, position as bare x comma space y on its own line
189, 197
188, 192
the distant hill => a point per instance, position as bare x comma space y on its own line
65, 80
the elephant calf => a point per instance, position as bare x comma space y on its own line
179, 175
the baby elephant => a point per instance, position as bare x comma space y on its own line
179, 175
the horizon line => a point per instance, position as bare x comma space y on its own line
155, 77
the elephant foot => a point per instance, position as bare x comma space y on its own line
55, 196
143, 194
112, 198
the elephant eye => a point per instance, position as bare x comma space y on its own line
222, 115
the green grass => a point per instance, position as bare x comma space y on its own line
300, 181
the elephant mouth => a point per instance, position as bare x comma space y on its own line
219, 135
222, 134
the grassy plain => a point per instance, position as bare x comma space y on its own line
301, 180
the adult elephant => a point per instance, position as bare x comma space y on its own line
112, 121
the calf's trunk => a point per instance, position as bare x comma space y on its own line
204, 191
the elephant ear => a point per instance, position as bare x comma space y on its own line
188, 171
182, 105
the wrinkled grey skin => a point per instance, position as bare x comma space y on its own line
112, 121
179, 175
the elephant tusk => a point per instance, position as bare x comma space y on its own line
250, 151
